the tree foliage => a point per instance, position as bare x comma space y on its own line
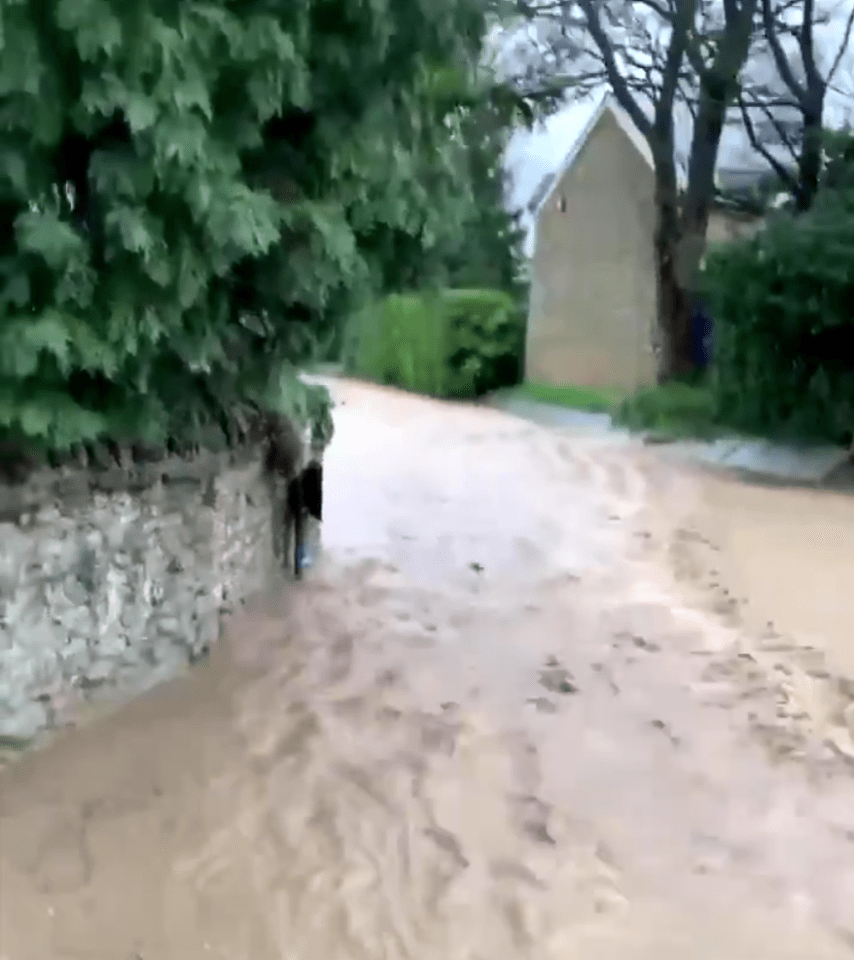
476, 245
190, 194
491, 256
784, 327
467, 238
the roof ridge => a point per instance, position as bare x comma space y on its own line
607, 103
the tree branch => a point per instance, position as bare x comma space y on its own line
843, 47
781, 61
680, 39
779, 129
615, 77
806, 45
779, 168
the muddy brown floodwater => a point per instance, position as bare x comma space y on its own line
520, 709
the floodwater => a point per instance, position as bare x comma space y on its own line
519, 709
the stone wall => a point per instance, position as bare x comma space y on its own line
116, 579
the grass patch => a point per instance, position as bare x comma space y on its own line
673, 411
666, 413
588, 399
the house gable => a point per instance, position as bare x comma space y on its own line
607, 107
593, 290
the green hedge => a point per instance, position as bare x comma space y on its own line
784, 326
450, 343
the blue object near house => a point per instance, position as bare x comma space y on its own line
304, 559
702, 335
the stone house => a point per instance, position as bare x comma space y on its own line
592, 310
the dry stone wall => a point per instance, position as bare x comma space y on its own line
117, 578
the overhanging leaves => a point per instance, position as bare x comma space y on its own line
166, 171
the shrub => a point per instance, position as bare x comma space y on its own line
784, 327
451, 343
485, 339
399, 341
671, 410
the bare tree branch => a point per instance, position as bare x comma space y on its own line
680, 40
615, 75
780, 129
779, 168
843, 47
781, 60
806, 45
810, 91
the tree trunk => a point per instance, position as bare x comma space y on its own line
809, 161
681, 236
675, 348
682, 228
676, 352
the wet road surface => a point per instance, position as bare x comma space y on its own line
508, 714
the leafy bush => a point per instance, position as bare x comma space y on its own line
451, 343
672, 410
784, 327
485, 340
191, 194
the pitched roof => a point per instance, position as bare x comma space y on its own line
537, 157
606, 104
539, 194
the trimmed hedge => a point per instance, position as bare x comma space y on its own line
450, 343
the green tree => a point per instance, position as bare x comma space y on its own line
463, 235
187, 193
492, 255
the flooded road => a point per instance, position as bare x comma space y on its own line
515, 711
